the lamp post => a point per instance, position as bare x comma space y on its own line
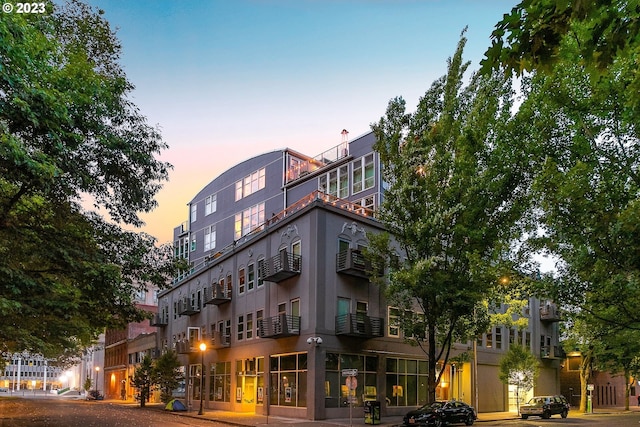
97, 376
203, 348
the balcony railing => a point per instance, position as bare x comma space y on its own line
187, 307
159, 319
359, 325
186, 347
353, 262
282, 325
551, 352
550, 313
219, 340
318, 162
315, 197
282, 266
217, 294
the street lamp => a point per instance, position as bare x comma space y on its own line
97, 376
203, 348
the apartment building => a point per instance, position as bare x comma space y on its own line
280, 294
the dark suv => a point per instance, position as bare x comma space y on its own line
545, 406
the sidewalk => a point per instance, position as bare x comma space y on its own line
252, 420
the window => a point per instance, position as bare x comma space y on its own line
209, 238
295, 307
259, 317
288, 380
367, 202
248, 220
404, 378
393, 320
194, 212
249, 326
194, 336
241, 281
240, 328
363, 173
296, 251
193, 244
490, 339
498, 338
250, 184
335, 182
210, 204
251, 276
335, 391
260, 272
220, 383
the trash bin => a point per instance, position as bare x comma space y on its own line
372, 412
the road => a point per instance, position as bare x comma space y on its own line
54, 412
617, 419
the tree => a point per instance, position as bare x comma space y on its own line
456, 190
620, 356
584, 135
519, 368
143, 379
68, 132
167, 375
530, 37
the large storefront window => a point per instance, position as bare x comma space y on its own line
289, 380
220, 382
336, 392
406, 382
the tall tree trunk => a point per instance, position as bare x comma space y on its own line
432, 363
585, 376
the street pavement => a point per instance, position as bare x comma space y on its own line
240, 419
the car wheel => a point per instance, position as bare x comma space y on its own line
524, 417
470, 420
438, 423
546, 415
564, 413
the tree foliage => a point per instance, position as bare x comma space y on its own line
456, 191
519, 367
167, 375
585, 135
530, 37
68, 133
144, 379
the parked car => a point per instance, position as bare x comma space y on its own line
3, 390
545, 407
440, 413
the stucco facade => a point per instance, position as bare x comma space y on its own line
280, 294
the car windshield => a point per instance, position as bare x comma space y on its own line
536, 401
434, 405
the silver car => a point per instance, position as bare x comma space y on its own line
545, 407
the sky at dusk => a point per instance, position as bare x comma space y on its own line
226, 80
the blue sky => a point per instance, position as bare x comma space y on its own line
227, 80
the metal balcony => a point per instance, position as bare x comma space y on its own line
359, 325
186, 347
353, 262
282, 266
217, 294
552, 352
187, 307
159, 320
219, 340
549, 312
279, 326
